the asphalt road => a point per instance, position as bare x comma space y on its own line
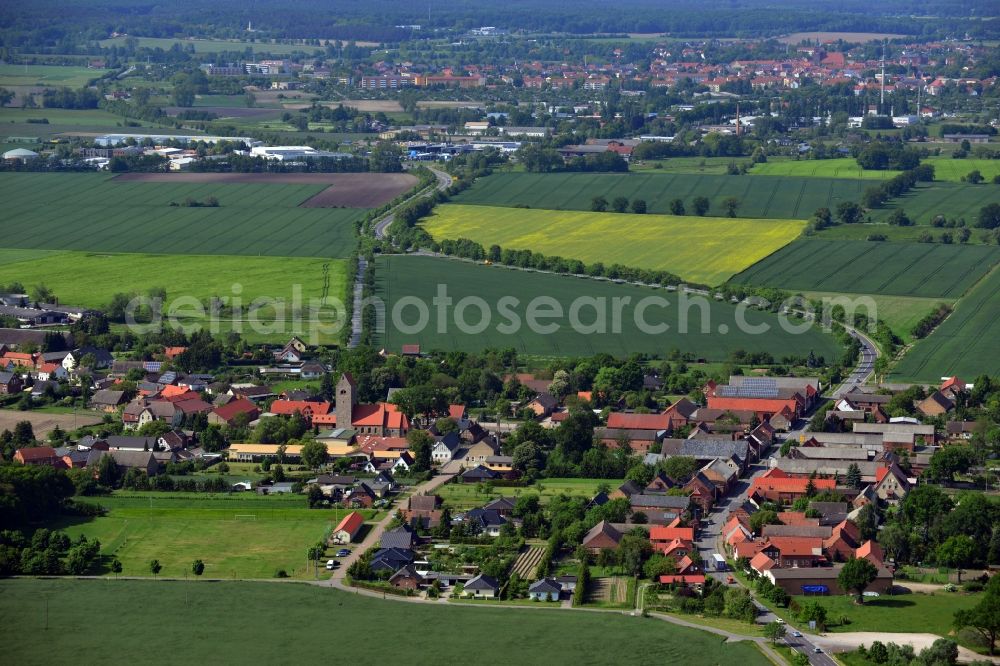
709, 538
443, 183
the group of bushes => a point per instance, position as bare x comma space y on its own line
877, 195
930, 321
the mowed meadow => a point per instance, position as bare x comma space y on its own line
243, 536
702, 250
760, 197
399, 277
928, 270
97, 212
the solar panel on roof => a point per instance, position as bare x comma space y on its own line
752, 387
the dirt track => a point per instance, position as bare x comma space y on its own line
350, 190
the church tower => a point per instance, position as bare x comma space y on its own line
346, 399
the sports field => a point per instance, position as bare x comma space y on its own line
96, 212
966, 344
420, 277
48, 75
278, 623
89, 280
704, 250
241, 536
953, 200
760, 196
902, 269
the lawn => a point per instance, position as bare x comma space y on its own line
965, 344
899, 312
703, 250
192, 622
94, 212
841, 167
928, 270
48, 75
466, 495
712, 331
918, 613
779, 198
237, 536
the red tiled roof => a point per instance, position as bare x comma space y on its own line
793, 546
37, 453
230, 410
625, 421
371, 444
870, 550
351, 523
667, 534
305, 407
456, 412
761, 562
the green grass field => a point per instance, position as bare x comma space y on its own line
89, 280
467, 495
948, 168
945, 168
918, 613
242, 536
83, 117
193, 622
761, 197
842, 167
420, 277
900, 269
705, 250
965, 344
48, 75
93, 212
953, 200
860, 232
899, 312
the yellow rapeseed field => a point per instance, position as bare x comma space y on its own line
707, 250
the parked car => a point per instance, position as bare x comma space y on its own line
330, 564
343, 552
